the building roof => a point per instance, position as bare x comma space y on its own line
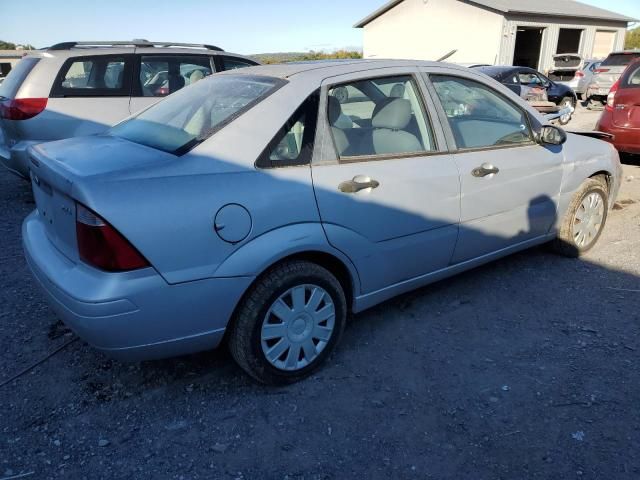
556, 8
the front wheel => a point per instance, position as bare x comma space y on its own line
584, 220
288, 323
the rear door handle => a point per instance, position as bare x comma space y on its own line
358, 183
484, 170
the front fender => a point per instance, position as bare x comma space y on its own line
260, 253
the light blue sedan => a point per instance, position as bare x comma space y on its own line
260, 207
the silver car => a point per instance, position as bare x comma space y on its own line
82, 88
260, 207
606, 75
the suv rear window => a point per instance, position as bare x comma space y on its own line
191, 115
106, 75
17, 75
619, 59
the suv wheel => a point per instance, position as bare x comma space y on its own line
288, 323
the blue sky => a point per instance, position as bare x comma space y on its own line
242, 26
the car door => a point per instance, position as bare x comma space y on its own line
89, 94
387, 191
158, 75
509, 183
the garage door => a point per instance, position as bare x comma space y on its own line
603, 43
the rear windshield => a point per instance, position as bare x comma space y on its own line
11, 84
194, 113
619, 59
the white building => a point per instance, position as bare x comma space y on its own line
500, 32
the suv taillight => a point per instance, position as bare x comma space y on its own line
611, 98
579, 74
601, 70
102, 246
21, 108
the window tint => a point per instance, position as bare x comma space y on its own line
479, 116
93, 76
231, 63
619, 59
293, 144
193, 114
161, 75
105, 73
382, 116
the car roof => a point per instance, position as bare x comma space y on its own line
321, 69
499, 71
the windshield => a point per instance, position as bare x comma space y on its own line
193, 114
619, 59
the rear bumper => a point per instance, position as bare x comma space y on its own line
132, 315
15, 158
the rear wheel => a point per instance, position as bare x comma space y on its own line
594, 104
584, 220
566, 102
288, 323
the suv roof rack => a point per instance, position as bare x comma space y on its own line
132, 43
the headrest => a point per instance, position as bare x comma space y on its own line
392, 113
397, 91
195, 76
335, 110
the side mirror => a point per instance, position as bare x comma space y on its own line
551, 135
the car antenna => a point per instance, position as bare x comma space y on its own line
444, 57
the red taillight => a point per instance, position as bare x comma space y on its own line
611, 98
102, 246
21, 108
579, 74
601, 70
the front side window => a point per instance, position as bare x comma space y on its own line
189, 117
161, 75
93, 76
380, 116
479, 116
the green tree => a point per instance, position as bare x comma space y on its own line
632, 39
7, 45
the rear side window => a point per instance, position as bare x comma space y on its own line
231, 63
106, 75
17, 75
192, 115
480, 117
161, 75
633, 78
293, 144
619, 59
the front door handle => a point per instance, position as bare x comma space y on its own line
484, 170
358, 183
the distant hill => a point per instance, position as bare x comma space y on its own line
283, 57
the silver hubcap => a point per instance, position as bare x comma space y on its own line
587, 221
297, 327
567, 116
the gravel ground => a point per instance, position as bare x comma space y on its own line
524, 368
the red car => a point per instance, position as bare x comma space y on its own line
621, 116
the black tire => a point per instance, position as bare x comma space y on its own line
565, 243
245, 331
593, 104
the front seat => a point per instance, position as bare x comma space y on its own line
335, 114
195, 76
390, 119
